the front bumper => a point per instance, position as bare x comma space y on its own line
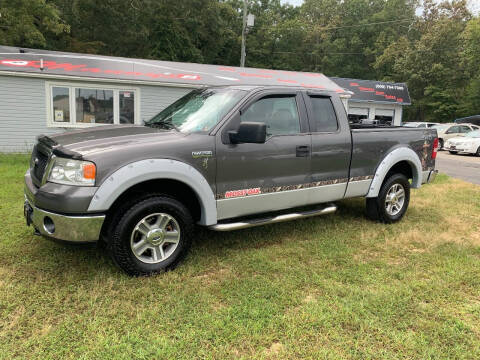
63, 227
75, 228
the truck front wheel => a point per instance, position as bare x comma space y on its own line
392, 201
151, 236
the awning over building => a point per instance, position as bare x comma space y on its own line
43, 62
376, 91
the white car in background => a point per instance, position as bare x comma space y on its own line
448, 131
470, 143
420, 124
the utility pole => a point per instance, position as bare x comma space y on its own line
244, 33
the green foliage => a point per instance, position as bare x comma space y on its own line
437, 52
29, 23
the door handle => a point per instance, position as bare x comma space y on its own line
303, 150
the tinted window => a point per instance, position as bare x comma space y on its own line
279, 113
465, 129
323, 114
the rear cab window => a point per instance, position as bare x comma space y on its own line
324, 118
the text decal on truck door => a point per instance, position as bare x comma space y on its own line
244, 192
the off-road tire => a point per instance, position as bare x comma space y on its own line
376, 209
119, 242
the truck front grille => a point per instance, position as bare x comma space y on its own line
40, 161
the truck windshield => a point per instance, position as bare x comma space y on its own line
198, 111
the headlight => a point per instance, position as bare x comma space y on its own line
72, 172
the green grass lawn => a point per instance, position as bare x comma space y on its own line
332, 287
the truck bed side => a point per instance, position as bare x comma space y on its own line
370, 146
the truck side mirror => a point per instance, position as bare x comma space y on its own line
249, 132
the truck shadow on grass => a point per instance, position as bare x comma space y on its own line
210, 247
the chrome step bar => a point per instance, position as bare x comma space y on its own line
330, 208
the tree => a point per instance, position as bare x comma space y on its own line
427, 58
29, 23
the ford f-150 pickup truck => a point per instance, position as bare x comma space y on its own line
221, 157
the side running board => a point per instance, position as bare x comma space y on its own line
330, 208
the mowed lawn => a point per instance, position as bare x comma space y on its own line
333, 287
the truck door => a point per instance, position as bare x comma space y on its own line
331, 145
256, 178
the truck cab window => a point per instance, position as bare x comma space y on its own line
324, 117
279, 113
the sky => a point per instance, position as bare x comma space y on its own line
474, 5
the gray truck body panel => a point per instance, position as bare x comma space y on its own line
234, 180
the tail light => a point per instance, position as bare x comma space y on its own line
435, 148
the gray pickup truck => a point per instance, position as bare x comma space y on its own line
222, 157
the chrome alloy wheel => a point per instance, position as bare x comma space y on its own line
395, 199
155, 238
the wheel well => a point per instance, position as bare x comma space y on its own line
402, 167
172, 188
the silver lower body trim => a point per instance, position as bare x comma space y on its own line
272, 220
268, 202
63, 227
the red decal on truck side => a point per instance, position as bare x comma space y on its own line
243, 192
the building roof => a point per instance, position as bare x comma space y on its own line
375, 91
52, 63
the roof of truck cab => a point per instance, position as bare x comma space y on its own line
45, 63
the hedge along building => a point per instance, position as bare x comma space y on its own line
43, 92
375, 101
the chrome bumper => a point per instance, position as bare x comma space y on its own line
429, 176
63, 227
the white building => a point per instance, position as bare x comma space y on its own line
44, 92
375, 101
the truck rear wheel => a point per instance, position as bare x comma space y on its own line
392, 201
152, 236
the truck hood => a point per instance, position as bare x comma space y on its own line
80, 143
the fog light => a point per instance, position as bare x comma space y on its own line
48, 225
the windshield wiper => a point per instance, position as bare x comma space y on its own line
163, 125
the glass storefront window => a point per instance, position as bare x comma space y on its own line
94, 106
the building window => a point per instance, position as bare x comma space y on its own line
79, 106
127, 107
94, 106
61, 104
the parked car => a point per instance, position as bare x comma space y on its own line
225, 158
420, 124
470, 143
474, 120
448, 131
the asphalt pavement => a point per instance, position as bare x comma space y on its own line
465, 167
